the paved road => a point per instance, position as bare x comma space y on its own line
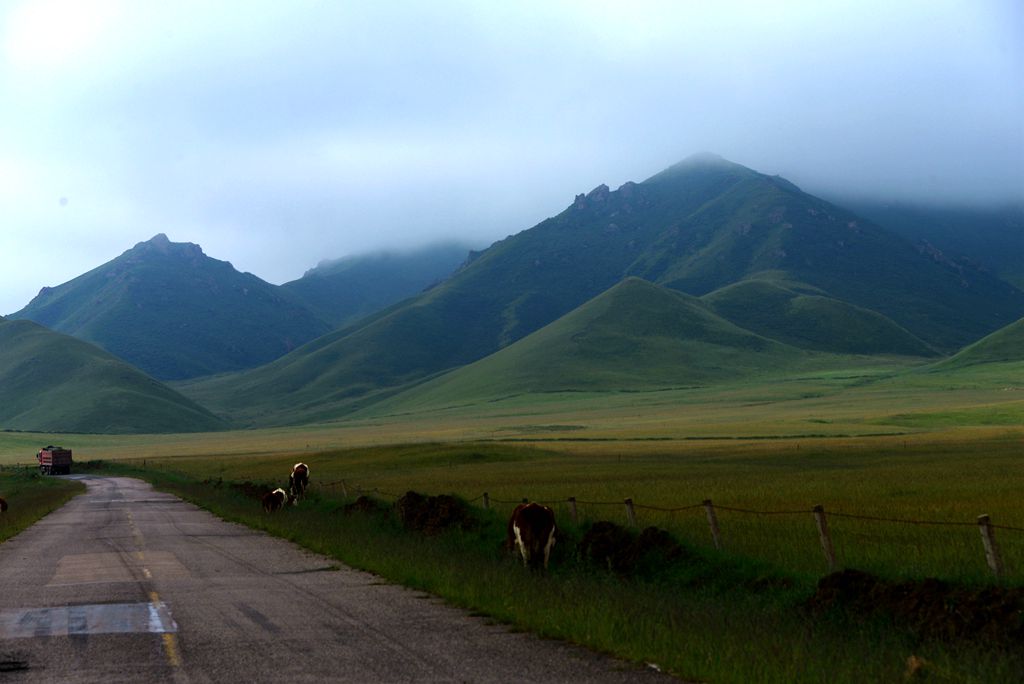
127, 584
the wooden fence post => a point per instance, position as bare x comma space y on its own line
487, 501
572, 511
630, 513
992, 555
716, 536
826, 540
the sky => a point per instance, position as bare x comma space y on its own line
279, 134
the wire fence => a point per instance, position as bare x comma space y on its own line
994, 557
993, 553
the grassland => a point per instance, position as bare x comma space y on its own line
881, 439
921, 443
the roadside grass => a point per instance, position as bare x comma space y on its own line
31, 496
947, 477
708, 617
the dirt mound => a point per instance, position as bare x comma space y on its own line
364, 504
929, 608
431, 515
615, 547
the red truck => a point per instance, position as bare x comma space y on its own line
54, 460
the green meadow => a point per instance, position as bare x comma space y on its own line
885, 439
904, 444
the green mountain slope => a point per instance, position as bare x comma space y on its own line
347, 289
697, 227
55, 383
760, 223
174, 312
804, 317
635, 336
1005, 345
991, 237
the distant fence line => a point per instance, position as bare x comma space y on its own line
993, 555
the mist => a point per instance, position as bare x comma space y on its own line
278, 135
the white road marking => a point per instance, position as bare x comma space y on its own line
104, 618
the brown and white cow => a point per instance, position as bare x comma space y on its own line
531, 530
275, 500
298, 481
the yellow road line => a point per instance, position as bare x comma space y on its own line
170, 641
171, 649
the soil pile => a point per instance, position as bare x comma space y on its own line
624, 553
432, 515
929, 608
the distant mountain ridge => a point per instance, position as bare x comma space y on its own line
176, 313
992, 238
698, 227
343, 290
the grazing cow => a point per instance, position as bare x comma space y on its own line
3, 505
275, 500
531, 530
298, 481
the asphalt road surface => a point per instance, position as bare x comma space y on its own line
128, 584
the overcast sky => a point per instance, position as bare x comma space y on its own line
276, 134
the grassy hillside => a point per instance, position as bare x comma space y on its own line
1005, 345
347, 289
52, 382
806, 318
174, 312
636, 336
761, 223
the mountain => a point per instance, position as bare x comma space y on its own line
175, 313
803, 316
758, 223
697, 227
51, 382
992, 237
635, 336
347, 289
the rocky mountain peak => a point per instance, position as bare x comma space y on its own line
161, 244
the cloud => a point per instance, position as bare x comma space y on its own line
279, 134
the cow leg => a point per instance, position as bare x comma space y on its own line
548, 547
522, 547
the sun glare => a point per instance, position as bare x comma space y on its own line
52, 33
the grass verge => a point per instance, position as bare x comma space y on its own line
700, 618
31, 496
